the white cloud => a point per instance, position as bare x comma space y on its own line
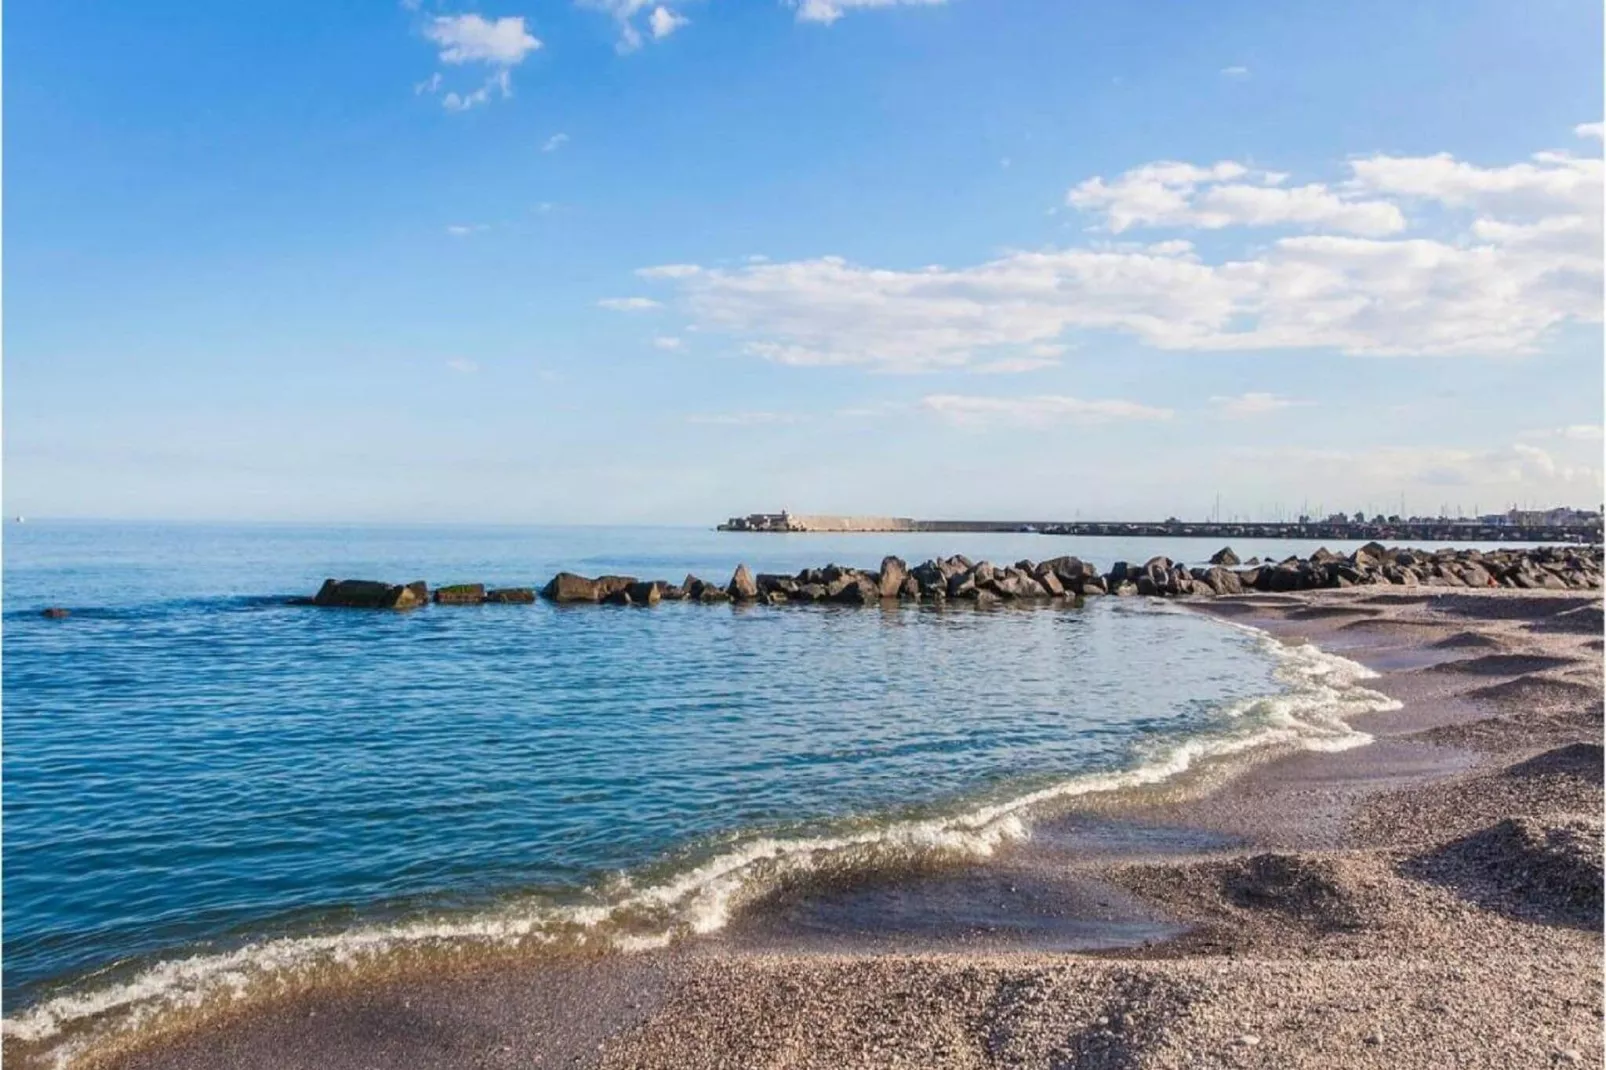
555, 142
1038, 411
502, 42
1170, 194
1252, 404
828, 11
1550, 183
661, 20
1594, 130
1527, 263
463, 366
664, 341
1236, 73
629, 304
742, 419
463, 230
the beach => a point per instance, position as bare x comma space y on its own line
1430, 899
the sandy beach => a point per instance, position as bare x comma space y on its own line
1432, 899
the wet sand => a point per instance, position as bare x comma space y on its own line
1430, 900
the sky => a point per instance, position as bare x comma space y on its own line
615, 261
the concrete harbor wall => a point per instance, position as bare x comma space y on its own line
1425, 530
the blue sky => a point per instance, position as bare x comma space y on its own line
608, 261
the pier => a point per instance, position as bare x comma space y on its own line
1440, 529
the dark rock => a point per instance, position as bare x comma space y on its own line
511, 596
961, 584
460, 594
1224, 556
893, 573
645, 593
618, 597
54, 613
910, 589
568, 587
607, 585
369, 594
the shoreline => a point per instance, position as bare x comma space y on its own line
663, 1008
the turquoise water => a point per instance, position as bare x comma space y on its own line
194, 769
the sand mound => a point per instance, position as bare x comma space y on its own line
1240, 898
1529, 691
1304, 889
1546, 869
1581, 760
1582, 620
1503, 664
1513, 607
1466, 640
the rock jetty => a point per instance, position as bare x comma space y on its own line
958, 579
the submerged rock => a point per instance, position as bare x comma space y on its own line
511, 595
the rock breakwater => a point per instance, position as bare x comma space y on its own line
959, 579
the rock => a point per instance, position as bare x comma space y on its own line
648, 593
1125, 588
460, 594
568, 587
985, 598
742, 587
370, 594
910, 589
1049, 580
54, 613
619, 597
511, 596
893, 572
1224, 556
1222, 580
961, 584
607, 585
856, 591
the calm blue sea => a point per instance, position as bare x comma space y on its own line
193, 768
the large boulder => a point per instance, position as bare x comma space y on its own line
513, 596
1225, 556
891, 577
460, 594
371, 594
742, 586
646, 592
569, 587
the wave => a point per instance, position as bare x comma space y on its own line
655, 907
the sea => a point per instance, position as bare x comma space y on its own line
209, 792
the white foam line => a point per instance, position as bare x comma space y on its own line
1322, 693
